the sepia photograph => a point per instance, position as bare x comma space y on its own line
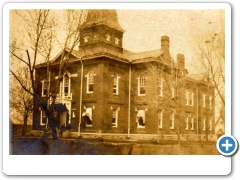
116, 81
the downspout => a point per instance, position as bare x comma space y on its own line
129, 99
80, 101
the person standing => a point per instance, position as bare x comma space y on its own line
53, 114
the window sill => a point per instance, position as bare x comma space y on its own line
89, 92
88, 125
141, 94
172, 128
141, 127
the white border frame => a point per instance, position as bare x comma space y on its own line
129, 165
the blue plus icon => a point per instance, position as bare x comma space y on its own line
227, 145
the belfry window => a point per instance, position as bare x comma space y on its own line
108, 37
116, 40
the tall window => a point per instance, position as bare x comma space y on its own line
189, 97
141, 85
65, 86
204, 100
210, 102
204, 123
160, 119
66, 81
89, 114
43, 118
140, 120
161, 87
115, 84
172, 114
115, 118
210, 124
186, 122
44, 87
90, 82
192, 123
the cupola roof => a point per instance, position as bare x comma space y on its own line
103, 16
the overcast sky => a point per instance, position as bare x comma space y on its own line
144, 28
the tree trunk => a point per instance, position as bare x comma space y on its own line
24, 129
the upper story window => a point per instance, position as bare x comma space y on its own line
44, 87
116, 40
189, 98
90, 82
204, 100
115, 83
160, 119
161, 87
108, 37
172, 119
210, 102
141, 85
140, 120
65, 86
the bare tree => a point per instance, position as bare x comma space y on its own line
41, 35
21, 100
210, 52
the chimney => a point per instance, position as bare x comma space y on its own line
181, 61
165, 44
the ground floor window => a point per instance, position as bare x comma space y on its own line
43, 118
172, 118
115, 117
140, 119
87, 118
160, 119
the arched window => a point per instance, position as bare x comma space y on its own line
141, 85
66, 81
44, 87
65, 86
90, 82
